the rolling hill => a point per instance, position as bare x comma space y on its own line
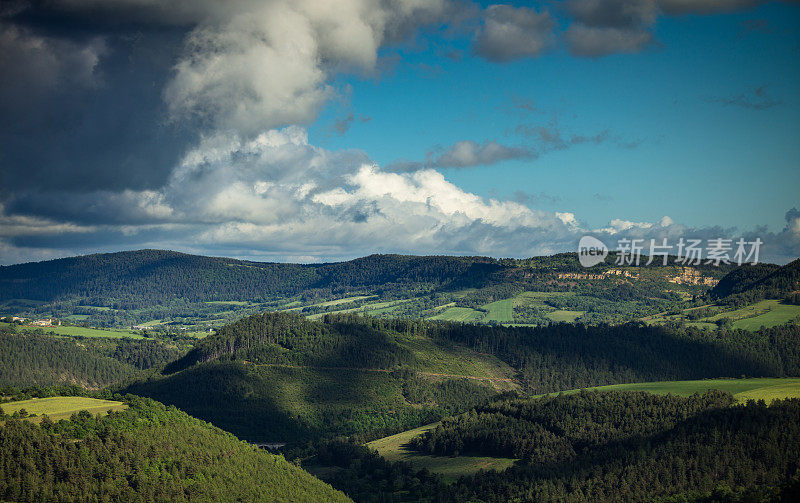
145, 452
280, 377
762, 281
164, 290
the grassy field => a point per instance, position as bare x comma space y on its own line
458, 314
458, 360
766, 388
777, 314
501, 311
379, 308
393, 448
372, 309
766, 313
564, 315
62, 407
331, 303
73, 331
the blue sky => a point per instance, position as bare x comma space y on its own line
697, 160
312, 130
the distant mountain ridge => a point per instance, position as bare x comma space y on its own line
170, 291
156, 275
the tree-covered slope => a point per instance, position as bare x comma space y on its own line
594, 446
137, 278
280, 377
147, 452
165, 289
763, 281
37, 358
693, 452
557, 428
28, 359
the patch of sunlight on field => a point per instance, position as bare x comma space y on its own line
778, 314
501, 311
768, 388
458, 314
770, 393
564, 315
73, 331
62, 407
455, 360
393, 448
330, 303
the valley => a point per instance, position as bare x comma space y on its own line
405, 369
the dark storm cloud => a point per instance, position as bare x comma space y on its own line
80, 106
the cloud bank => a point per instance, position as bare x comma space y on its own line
277, 197
182, 125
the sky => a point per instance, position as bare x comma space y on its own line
315, 130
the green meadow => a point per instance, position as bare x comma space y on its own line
464, 314
766, 313
74, 331
393, 448
760, 388
62, 407
501, 311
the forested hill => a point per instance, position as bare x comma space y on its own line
279, 377
762, 281
168, 289
147, 452
139, 278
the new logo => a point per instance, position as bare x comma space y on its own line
591, 251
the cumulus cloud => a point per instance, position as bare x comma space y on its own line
278, 197
281, 195
202, 66
269, 65
510, 33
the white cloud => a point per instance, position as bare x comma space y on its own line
278, 197
266, 65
